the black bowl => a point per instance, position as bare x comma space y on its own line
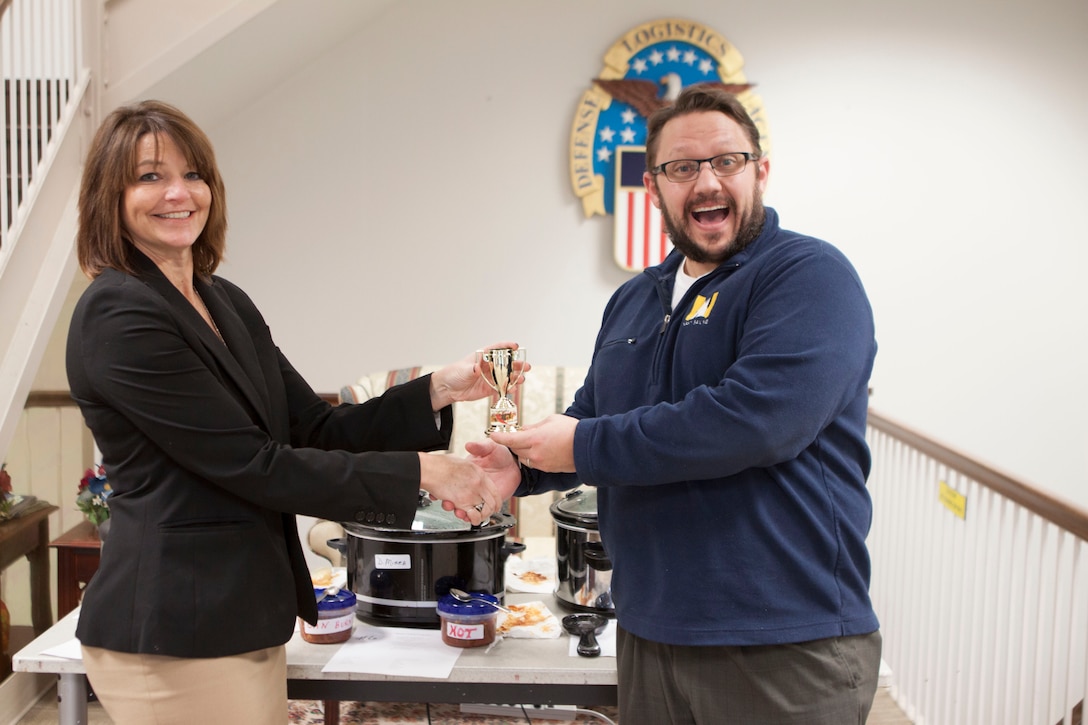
577, 624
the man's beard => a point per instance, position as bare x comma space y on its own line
749, 228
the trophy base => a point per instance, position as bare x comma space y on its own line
503, 418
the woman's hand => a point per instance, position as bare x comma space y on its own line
462, 380
462, 487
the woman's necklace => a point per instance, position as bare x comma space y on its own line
208, 314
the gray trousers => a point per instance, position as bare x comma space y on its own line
823, 682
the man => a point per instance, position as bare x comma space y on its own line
723, 423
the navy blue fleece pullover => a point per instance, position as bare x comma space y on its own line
727, 441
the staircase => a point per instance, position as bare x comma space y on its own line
64, 64
42, 130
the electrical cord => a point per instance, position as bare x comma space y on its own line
577, 711
529, 719
594, 713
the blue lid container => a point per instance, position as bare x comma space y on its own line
451, 605
334, 603
467, 624
335, 618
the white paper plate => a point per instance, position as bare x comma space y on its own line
536, 576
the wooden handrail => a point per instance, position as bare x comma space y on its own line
49, 399
1055, 510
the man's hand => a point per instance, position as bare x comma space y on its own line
498, 463
546, 446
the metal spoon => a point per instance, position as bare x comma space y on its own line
463, 596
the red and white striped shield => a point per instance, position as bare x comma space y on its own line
639, 240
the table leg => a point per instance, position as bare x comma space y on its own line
67, 587
332, 712
72, 699
41, 614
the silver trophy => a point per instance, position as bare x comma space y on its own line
498, 371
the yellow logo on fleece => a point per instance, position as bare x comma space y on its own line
701, 307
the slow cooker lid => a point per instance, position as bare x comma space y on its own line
431, 518
577, 507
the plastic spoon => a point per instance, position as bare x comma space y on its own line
330, 592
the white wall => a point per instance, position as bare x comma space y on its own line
406, 197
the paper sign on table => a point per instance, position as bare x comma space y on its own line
395, 651
70, 650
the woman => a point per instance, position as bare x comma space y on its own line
212, 443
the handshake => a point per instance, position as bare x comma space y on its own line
475, 487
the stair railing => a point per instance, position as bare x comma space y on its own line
39, 67
981, 585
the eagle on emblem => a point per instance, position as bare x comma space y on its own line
643, 95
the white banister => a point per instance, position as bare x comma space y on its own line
984, 615
45, 126
39, 48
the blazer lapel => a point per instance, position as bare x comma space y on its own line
239, 362
244, 365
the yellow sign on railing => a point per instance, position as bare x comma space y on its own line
953, 500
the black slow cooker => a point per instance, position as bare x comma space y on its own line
583, 580
398, 575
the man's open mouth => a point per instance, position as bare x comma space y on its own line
710, 214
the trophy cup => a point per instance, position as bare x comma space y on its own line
497, 370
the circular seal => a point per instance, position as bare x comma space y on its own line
645, 69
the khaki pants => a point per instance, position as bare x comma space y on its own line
823, 682
142, 689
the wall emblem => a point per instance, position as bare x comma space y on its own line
644, 70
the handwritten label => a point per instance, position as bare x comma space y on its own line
331, 625
464, 631
392, 561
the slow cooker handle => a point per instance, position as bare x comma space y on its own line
510, 547
595, 556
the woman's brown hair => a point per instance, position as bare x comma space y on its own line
101, 240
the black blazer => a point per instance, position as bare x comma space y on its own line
211, 450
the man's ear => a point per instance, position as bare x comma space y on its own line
649, 181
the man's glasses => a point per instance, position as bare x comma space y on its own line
683, 170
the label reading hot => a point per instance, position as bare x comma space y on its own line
464, 631
392, 561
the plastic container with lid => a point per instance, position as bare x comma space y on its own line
467, 624
335, 618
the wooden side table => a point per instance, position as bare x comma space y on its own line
27, 536
78, 551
